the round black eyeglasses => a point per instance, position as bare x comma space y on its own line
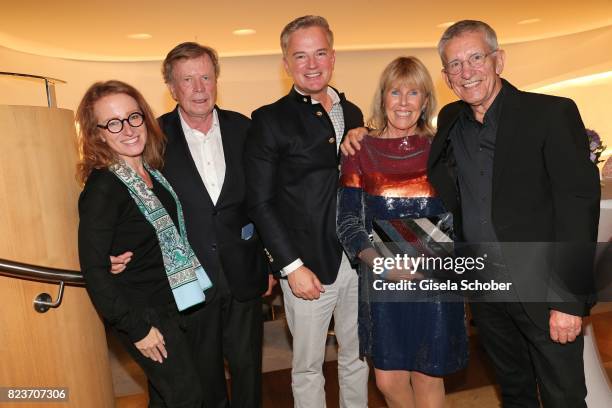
115, 125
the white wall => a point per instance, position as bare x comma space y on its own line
249, 82
593, 99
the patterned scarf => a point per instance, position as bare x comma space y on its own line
187, 278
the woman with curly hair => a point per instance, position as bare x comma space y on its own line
154, 305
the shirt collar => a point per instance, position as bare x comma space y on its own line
492, 114
191, 131
335, 98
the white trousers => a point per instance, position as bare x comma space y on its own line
308, 322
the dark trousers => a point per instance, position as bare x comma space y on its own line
234, 330
193, 375
176, 382
525, 359
242, 348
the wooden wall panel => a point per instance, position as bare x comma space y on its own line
64, 347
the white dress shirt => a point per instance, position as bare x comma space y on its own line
207, 152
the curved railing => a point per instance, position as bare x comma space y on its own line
49, 85
43, 301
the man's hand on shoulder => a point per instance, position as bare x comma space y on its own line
352, 141
564, 327
305, 284
119, 262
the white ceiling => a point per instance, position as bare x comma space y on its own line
98, 30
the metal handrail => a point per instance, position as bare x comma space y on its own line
49, 85
43, 302
40, 273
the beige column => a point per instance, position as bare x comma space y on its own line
66, 346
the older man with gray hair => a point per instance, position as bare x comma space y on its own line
203, 163
514, 169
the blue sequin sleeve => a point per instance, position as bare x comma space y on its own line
350, 221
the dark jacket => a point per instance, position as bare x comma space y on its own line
214, 231
292, 176
111, 223
545, 190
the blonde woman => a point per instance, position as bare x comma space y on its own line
411, 344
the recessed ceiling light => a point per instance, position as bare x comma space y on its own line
446, 25
139, 36
244, 31
529, 21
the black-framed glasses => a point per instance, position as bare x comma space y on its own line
476, 60
115, 125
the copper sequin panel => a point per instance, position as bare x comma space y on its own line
390, 168
396, 185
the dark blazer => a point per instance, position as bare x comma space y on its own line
214, 231
292, 178
545, 188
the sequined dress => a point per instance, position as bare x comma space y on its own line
387, 179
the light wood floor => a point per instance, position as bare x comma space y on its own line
472, 387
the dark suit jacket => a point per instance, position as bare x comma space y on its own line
292, 179
214, 231
545, 189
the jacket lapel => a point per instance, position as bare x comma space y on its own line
184, 157
226, 132
440, 142
441, 148
442, 170
506, 133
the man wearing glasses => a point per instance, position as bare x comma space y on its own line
514, 167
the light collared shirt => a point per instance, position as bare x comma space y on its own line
336, 115
207, 152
